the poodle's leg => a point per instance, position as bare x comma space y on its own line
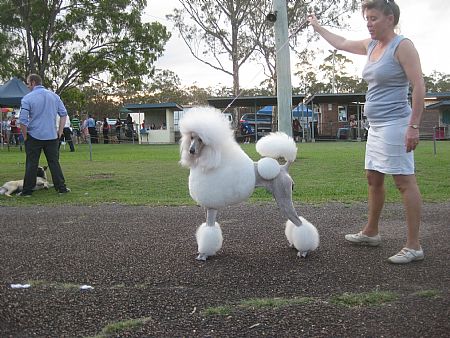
299, 232
209, 236
281, 188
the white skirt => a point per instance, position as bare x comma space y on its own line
386, 149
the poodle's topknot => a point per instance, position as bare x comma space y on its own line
208, 123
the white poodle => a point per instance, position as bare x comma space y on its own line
221, 174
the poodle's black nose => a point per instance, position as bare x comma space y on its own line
192, 150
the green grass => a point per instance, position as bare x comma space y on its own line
364, 299
432, 293
150, 174
224, 310
256, 304
117, 327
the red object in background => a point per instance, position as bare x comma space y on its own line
439, 133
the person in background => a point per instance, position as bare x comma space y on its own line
393, 64
353, 126
91, 128
15, 131
247, 131
37, 117
118, 126
105, 131
130, 128
76, 127
85, 130
67, 135
296, 129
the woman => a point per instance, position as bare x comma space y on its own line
118, 126
105, 130
393, 63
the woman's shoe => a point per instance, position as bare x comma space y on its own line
359, 238
407, 255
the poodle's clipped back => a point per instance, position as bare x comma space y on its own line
213, 129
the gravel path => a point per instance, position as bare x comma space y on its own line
141, 264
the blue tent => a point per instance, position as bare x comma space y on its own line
300, 111
11, 93
267, 110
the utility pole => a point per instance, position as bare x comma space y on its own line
283, 67
334, 71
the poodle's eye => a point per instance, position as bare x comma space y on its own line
192, 137
200, 140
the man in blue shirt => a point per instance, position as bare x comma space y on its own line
91, 128
37, 118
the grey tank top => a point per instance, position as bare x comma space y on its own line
387, 94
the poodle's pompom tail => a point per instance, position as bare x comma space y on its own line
304, 238
209, 240
276, 145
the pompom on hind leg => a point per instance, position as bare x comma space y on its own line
305, 238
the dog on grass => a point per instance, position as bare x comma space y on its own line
222, 174
17, 186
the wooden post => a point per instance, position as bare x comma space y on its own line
283, 67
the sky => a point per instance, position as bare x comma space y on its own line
426, 23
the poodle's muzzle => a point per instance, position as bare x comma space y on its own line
195, 145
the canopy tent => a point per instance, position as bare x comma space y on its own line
299, 111
302, 111
11, 93
267, 110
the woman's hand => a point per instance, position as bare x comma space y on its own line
411, 139
313, 21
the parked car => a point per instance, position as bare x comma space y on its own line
263, 123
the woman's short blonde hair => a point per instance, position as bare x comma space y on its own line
388, 7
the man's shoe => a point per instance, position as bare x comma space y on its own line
64, 191
407, 255
359, 238
21, 194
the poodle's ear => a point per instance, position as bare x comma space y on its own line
210, 158
185, 159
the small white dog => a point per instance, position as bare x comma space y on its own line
17, 186
221, 174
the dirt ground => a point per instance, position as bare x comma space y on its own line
141, 264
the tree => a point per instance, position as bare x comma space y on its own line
238, 30
334, 70
70, 42
437, 82
319, 79
221, 31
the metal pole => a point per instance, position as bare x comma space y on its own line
1, 130
283, 68
358, 110
334, 71
434, 140
313, 139
90, 148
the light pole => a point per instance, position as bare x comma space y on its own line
283, 67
